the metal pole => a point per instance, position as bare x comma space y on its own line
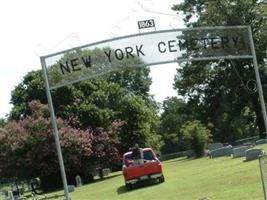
261, 162
256, 69
54, 124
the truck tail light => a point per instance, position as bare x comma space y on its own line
159, 166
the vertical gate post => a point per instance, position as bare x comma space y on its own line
258, 80
55, 131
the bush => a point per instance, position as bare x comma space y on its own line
27, 148
196, 136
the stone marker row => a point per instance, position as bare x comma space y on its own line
223, 151
242, 151
247, 151
261, 141
214, 146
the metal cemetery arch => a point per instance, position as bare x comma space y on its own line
158, 47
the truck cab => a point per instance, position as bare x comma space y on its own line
150, 169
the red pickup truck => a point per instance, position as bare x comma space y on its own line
149, 170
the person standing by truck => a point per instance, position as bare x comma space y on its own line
138, 155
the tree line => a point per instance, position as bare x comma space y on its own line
222, 94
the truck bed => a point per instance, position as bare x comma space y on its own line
148, 168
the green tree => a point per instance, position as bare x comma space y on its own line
31, 87
2, 122
175, 114
98, 102
141, 123
196, 136
135, 80
220, 91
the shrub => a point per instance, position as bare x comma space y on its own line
196, 136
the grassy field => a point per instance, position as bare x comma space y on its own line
210, 179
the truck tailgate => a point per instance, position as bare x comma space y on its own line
147, 168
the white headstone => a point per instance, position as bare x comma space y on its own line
252, 154
261, 141
71, 188
105, 171
224, 151
217, 152
214, 146
239, 151
78, 181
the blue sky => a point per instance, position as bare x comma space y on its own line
33, 28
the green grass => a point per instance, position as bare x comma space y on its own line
216, 179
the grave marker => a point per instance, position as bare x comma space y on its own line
239, 151
253, 154
214, 146
261, 141
78, 180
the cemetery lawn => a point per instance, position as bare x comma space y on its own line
221, 178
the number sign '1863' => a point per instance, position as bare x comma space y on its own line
146, 23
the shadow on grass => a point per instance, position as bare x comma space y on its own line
56, 196
151, 183
122, 189
183, 159
106, 178
103, 179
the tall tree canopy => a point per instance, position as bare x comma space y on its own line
175, 114
134, 80
99, 102
223, 92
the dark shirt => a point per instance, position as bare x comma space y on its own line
136, 153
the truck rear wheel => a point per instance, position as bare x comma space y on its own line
161, 179
128, 186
